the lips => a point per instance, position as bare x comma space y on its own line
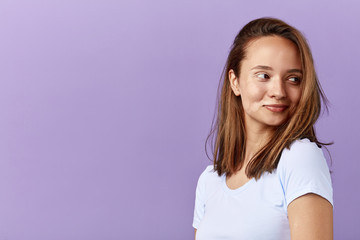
277, 108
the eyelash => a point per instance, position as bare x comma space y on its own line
266, 76
262, 74
298, 79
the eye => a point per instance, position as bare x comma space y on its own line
263, 75
295, 79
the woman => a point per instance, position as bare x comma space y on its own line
270, 179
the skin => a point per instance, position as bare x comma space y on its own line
269, 83
269, 86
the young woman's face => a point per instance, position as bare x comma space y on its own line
269, 82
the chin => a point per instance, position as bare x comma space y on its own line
276, 123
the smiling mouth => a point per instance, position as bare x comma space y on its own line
277, 108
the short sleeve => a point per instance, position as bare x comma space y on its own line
199, 209
303, 169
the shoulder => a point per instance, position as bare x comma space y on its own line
209, 181
302, 153
303, 169
302, 146
209, 174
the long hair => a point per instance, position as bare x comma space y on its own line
229, 128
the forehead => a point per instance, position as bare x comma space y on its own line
274, 51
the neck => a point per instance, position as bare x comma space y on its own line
256, 138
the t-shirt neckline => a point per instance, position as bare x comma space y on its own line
239, 189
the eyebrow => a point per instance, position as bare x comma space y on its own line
294, 70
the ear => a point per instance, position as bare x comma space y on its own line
234, 82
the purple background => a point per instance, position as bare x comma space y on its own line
106, 105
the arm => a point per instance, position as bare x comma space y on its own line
311, 218
195, 234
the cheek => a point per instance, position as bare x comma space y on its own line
295, 97
252, 98
253, 92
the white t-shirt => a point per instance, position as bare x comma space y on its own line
258, 209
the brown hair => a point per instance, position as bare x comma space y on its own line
229, 129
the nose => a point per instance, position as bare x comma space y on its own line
277, 88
